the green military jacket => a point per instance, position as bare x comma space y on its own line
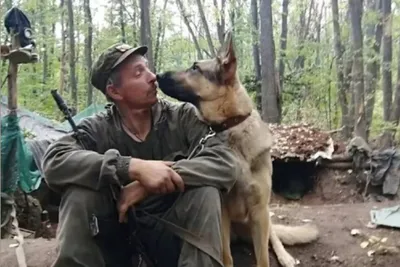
176, 131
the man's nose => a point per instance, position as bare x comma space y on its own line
152, 76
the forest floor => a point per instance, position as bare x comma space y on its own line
334, 205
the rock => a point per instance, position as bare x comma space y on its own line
370, 253
355, 232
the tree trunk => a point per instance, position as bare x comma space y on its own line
271, 108
283, 41
72, 69
44, 45
387, 59
145, 31
122, 20
157, 48
63, 69
318, 38
395, 116
358, 67
303, 33
256, 49
374, 36
190, 29
206, 29
88, 50
339, 70
135, 23
220, 20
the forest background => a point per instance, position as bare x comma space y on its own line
331, 63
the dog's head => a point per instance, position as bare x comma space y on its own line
212, 85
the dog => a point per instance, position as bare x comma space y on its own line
214, 87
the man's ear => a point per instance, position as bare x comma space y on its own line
113, 92
228, 59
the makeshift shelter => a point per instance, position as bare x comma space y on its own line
296, 152
30, 148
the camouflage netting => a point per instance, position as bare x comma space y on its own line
300, 141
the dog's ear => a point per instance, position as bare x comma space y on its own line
228, 59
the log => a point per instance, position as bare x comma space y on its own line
341, 158
336, 165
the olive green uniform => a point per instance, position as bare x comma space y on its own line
81, 176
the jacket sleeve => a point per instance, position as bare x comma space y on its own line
215, 165
68, 161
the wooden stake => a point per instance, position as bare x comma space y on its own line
12, 77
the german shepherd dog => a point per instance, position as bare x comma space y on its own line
213, 86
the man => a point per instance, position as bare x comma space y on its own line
144, 142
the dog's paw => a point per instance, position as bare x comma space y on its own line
286, 260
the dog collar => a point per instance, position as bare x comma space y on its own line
229, 123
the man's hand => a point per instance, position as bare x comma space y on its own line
130, 195
156, 176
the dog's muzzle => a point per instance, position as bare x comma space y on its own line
171, 87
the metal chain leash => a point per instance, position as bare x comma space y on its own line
200, 146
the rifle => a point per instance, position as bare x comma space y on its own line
115, 187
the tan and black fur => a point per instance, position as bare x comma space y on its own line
213, 86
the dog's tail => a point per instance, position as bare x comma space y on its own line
291, 235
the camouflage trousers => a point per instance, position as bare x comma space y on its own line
197, 210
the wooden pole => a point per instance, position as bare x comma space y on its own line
12, 77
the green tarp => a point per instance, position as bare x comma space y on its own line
87, 112
17, 165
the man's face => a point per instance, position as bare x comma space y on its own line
137, 84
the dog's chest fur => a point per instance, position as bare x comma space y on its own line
252, 141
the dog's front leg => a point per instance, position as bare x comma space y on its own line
226, 238
260, 234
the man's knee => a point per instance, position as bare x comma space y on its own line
75, 233
83, 201
203, 203
206, 199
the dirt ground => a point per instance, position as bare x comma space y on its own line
335, 205
335, 223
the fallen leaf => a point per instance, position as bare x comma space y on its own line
334, 258
370, 253
373, 239
371, 225
364, 244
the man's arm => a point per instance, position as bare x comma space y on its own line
216, 165
66, 162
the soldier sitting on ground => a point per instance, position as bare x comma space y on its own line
144, 141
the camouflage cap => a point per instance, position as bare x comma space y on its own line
109, 60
